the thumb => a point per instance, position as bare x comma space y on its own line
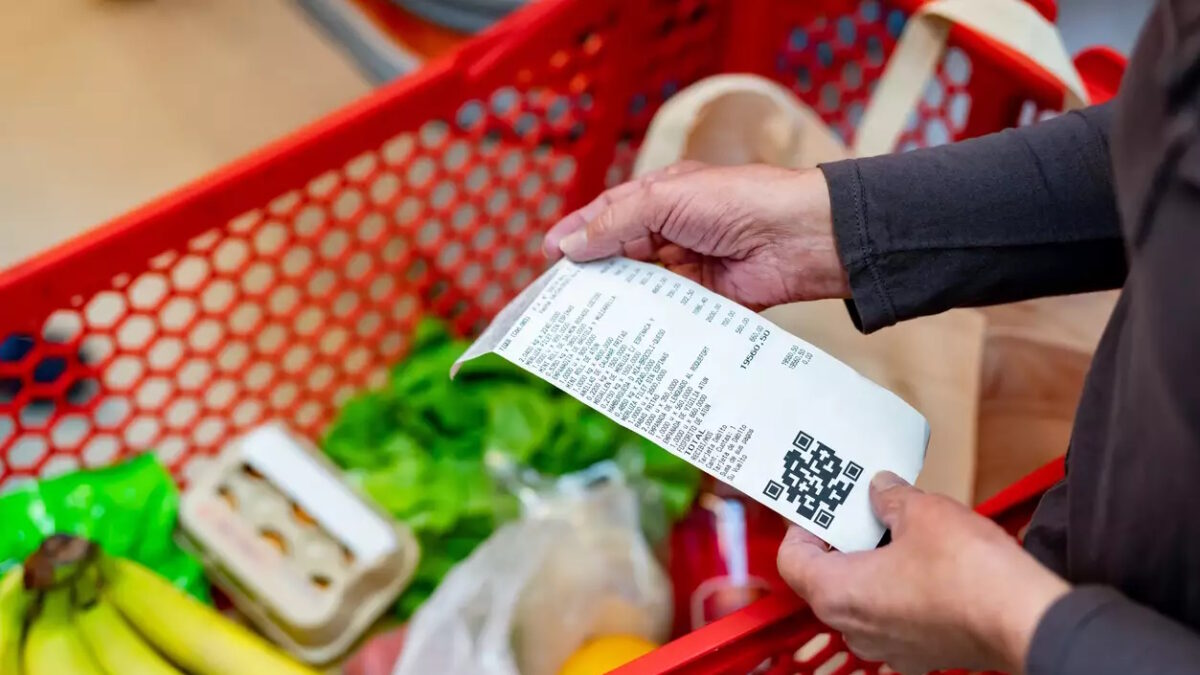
578, 220
578, 236
890, 499
621, 224
800, 558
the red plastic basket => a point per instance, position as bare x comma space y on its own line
281, 284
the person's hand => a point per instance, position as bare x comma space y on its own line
952, 590
759, 235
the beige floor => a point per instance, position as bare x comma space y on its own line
105, 104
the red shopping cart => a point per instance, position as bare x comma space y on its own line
281, 284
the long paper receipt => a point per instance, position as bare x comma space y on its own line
717, 385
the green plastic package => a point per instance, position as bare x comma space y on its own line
129, 509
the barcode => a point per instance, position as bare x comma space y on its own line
814, 479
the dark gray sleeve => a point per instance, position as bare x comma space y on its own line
1010, 216
1094, 630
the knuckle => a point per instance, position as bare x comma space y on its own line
894, 510
655, 192
926, 508
603, 224
920, 509
668, 211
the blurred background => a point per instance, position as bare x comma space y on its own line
106, 104
1111, 22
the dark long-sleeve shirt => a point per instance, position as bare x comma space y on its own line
1102, 198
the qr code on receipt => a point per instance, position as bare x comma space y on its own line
814, 479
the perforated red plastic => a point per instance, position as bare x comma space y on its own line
281, 284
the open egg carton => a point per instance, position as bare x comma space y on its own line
305, 558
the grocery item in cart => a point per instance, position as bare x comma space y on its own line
723, 557
574, 568
605, 654
377, 655
418, 447
717, 385
311, 563
129, 509
72, 608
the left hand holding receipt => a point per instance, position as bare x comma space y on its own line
952, 589
758, 235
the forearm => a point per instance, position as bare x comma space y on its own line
1096, 630
1018, 214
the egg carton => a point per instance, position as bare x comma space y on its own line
308, 561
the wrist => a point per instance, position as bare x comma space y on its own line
1019, 618
818, 264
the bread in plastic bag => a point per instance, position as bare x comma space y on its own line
574, 567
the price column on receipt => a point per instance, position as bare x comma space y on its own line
717, 385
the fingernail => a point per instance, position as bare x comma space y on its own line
886, 479
798, 535
574, 244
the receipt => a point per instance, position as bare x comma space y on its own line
719, 386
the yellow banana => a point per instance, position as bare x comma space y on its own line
14, 601
192, 635
115, 645
52, 644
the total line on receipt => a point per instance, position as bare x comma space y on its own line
715, 384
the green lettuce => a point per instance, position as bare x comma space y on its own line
418, 448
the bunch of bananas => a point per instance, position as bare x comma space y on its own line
72, 610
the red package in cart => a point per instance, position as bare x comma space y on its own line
723, 557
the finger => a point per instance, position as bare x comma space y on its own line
865, 648
690, 271
801, 560
642, 248
903, 664
636, 216
679, 168
672, 254
891, 497
578, 219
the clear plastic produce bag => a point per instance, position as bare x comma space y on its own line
575, 566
